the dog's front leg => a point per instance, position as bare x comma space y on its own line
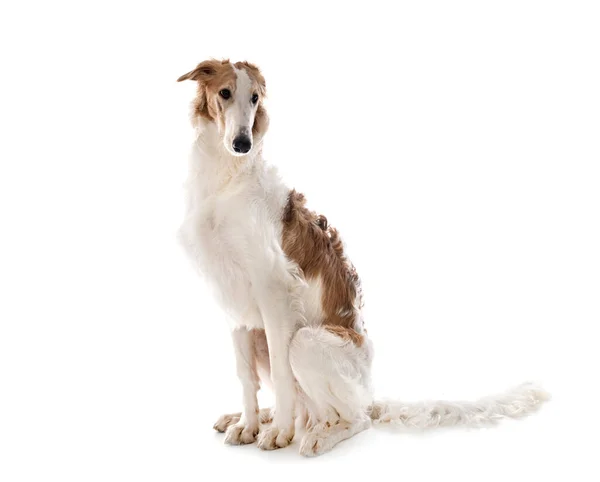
246, 429
279, 323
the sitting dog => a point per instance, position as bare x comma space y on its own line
293, 299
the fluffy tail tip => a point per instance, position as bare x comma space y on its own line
524, 399
515, 403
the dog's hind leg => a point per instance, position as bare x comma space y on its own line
324, 436
332, 365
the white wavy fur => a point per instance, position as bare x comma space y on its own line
516, 403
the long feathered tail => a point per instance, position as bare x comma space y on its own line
518, 402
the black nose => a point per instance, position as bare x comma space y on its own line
242, 144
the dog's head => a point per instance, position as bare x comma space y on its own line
231, 95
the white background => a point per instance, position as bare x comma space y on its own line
454, 144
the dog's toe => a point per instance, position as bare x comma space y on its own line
275, 438
241, 434
313, 444
226, 421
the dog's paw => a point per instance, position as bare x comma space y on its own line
314, 443
272, 438
226, 421
241, 433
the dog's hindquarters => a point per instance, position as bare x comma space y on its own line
332, 368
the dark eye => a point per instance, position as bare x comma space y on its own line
255, 98
225, 93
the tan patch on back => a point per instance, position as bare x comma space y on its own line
317, 248
347, 334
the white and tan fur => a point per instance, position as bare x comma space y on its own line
292, 298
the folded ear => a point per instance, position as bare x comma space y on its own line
261, 122
255, 71
203, 71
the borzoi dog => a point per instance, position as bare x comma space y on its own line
293, 298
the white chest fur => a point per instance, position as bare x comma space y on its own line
232, 228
